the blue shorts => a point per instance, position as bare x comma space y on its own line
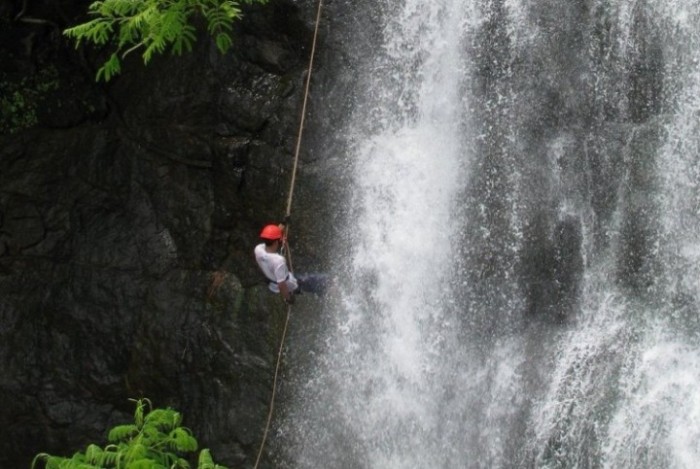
316, 283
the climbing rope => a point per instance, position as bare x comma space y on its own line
288, 212
303, 112
274, 387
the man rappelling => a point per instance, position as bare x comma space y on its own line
273, 265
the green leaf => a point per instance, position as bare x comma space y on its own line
138, 413
223, 42
122, 432
54, 462
93, 454
40, 457
205, 461
165, 419
108, 70
136, 452
181, 464
110, 455
97, 31
183, 440
157, 44
184, 40
144, 464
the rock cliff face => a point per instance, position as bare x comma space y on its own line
117, 203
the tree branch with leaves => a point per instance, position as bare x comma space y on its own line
154, 26
156, 440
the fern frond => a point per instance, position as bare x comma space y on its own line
39, 457
139, 412
181, 464
122, 433
182, 440
151, 433
145, 463
110, 68
109, 456
184, 40
219, 19
205, 461
223, 42
136, 452
157, 45
93, 454
171, 24
153, 42
56, 462
132, 28
230, 10
95, 7
120, 8
97, 31
166, 419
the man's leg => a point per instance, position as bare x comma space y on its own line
316, 283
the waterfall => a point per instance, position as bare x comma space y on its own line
520, 281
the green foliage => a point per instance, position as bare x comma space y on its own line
154, 441
154, 26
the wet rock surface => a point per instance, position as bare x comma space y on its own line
117, 204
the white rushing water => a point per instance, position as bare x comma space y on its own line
522, 281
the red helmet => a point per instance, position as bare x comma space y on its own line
271, 232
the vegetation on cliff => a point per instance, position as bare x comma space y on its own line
154, 26
155, 440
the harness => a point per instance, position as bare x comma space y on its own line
269, 281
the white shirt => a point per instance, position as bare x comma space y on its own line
274, 267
